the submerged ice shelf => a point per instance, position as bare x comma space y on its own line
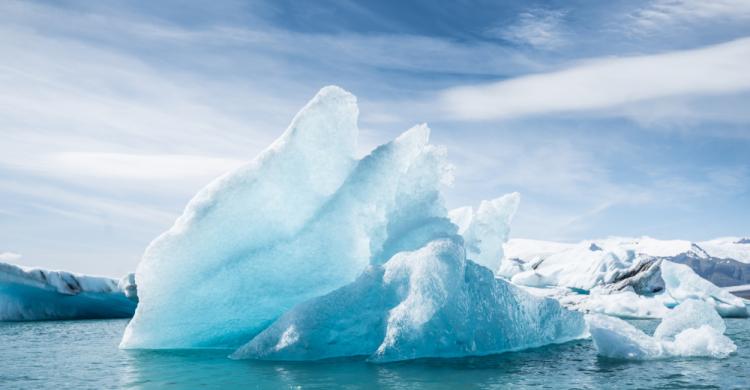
29, 294
307, 253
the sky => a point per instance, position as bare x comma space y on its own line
616, 118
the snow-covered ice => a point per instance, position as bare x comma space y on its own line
431, 302
629, 278
626, 304
28, 294
736, 248
682, 283
724, 261
691, 329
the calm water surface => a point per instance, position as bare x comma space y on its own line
84, 354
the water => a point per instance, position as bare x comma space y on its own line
84, 354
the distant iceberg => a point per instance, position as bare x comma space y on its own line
682, 283
692, 329
629, 278
308, 253
30, 294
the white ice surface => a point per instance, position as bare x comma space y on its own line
736, 248
590, 267
577, 267
683, 283
626, 304
692, 329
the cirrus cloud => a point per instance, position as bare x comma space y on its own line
607, 83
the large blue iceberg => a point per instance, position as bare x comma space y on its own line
31, 294
307, 225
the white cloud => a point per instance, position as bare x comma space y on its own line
10, 257
666, 13
607, 83
140, 167
538, 27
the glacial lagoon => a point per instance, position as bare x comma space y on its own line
84, 355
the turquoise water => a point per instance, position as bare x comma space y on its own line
84, 355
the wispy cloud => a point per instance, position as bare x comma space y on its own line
88, 207
537, 27
168, 167
608, 83
660, 14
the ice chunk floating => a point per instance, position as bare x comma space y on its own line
29, 294
692, 329
361, 255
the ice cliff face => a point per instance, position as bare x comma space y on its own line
361, 255
28, 294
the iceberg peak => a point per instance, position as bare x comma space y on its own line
487, 229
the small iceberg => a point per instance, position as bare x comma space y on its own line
32, 294
692, 329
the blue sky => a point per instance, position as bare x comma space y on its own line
610, 118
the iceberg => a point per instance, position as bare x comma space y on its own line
301, 220
619, 277
308, 253
579, 267
683, 283
30, 294
723, 261
691, 329
431, 302
626, 304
